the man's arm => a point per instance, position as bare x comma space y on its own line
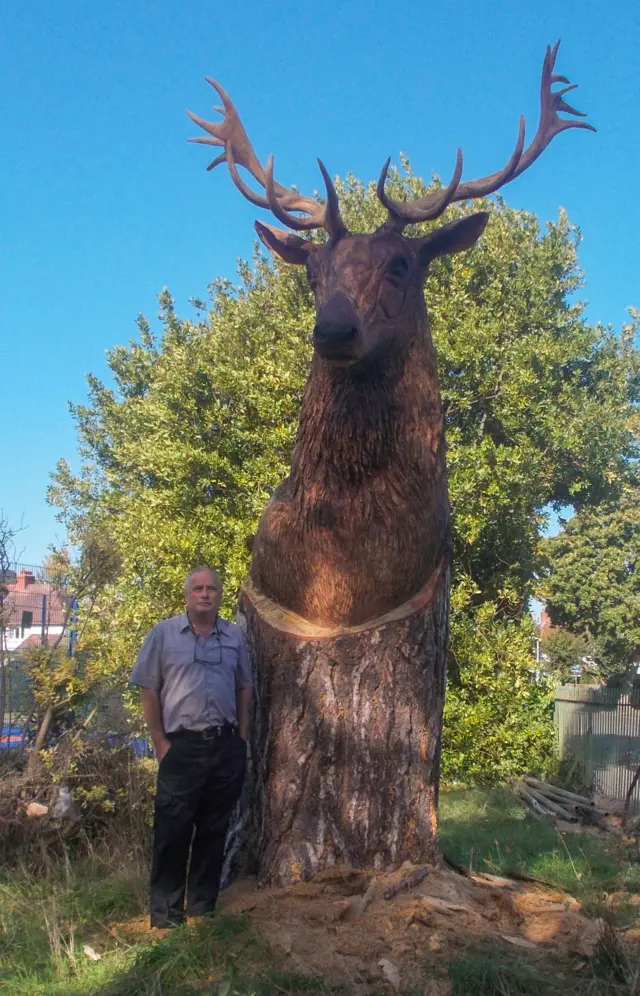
243, 711
153, 716
147, 673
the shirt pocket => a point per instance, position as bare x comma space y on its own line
229, 653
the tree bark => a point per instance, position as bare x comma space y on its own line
41, 737
346, 738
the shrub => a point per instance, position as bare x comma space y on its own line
498, 717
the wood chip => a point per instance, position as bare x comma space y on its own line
442, 906
484, 878
391, 973
354, 908
520, 942
36, 809
407, 882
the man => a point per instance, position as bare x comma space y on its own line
196, 697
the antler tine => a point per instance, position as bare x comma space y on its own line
230, 135
403, 213
550, 125
551, 104
334, 222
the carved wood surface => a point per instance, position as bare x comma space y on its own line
347, 742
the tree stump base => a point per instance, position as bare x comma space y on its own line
346, 740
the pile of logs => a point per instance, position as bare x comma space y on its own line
549, 800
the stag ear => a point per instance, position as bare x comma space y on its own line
454, 237
290, 248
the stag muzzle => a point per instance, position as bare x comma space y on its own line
335, 334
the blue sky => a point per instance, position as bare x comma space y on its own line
104, 202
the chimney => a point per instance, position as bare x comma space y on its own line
545, 625
24, 579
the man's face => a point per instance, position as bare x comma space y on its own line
203, 597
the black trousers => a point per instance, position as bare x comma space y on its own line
199, 782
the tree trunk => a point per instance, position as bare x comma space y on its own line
41, 736
346, 736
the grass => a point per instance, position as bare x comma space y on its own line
484, 974
492, 832
46, 921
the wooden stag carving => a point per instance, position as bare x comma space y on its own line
347, 604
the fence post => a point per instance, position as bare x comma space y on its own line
43, 633
73, 635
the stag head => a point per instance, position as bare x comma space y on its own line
368, 288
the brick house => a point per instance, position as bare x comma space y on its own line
34, 612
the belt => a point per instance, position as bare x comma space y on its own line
211, 733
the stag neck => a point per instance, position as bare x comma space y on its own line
356, 422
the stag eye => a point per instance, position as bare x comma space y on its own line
398, 270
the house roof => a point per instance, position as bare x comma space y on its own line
35, 640
27, 595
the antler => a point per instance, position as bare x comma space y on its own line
238, 151
432, 205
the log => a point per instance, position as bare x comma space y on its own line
553, 790
531, 802
346, 737
545, 787
553, 806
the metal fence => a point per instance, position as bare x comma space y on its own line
34, 613
599, 729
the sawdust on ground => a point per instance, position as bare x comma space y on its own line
340, 927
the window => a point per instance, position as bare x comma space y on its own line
27, 621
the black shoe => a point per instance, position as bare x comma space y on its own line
158, 923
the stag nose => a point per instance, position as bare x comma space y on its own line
334, 332
336, 324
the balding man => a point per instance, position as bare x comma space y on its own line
196, 697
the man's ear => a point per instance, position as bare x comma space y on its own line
288, 247
454, 237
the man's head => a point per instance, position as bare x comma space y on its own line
203, 593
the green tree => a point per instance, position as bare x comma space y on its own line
180, 457
592, 585
59, 681
563, 651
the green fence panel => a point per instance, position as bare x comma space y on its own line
599, 728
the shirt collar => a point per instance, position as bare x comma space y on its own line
185, 624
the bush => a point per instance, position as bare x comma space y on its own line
112, 790
498, 716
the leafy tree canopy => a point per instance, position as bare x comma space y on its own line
562, 651
181, 455
592, 585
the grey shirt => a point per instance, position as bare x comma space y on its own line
196, 677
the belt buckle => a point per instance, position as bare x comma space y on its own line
211, 733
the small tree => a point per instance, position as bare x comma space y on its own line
59, 679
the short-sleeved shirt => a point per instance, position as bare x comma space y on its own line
196, 677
